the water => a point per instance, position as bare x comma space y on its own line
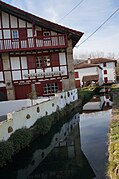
73, 150
94, 128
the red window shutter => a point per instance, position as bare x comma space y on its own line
77, 82
39, 33
76, 75
105, 79
55, 59
59, 86
1, 67
105, 71
39, 89
31, 61
23, 33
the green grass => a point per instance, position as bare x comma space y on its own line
113, 148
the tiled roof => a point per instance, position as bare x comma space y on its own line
90, 78
85, 65
100, 60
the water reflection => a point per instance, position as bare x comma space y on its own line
60, 154
94, 129
58, 146
66, 160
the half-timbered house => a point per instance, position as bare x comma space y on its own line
36, 55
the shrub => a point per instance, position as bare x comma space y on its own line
6, 152
21, 138
43, 125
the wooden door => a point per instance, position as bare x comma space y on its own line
22, 91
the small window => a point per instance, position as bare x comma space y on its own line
46, 60
104, 64
39, 62
105, 71
46, 33
50, 88
15, 34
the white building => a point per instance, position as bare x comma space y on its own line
108, 66
87, 73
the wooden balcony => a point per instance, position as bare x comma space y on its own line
33, 43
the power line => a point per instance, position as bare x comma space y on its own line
71, 11
99, 26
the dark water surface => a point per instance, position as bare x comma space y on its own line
72, 150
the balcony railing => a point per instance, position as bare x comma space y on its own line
30, 43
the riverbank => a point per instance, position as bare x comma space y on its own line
113, 148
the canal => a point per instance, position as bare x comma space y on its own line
72, 150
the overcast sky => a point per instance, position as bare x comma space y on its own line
87, 17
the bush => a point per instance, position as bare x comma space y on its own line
43, 125
6, 152
21, 138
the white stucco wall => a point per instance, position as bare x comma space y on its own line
100, 76
111, 74
85, 72
27, 116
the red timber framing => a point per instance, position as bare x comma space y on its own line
45, 88
37, 45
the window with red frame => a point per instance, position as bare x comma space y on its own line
76, 74
105, 72
104, 64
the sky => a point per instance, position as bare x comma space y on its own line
86, 17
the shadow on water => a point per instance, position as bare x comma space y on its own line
55, 155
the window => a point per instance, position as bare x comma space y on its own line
105, 79
46, 60
39, 62
104, 64
105, 71
46, 33
50, 88
15, 34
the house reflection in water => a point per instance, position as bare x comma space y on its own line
65, 161
55, 155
